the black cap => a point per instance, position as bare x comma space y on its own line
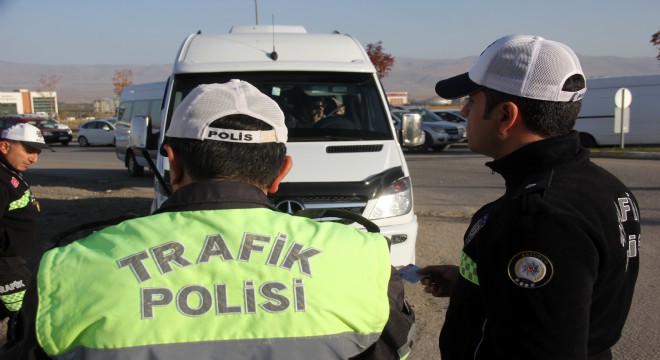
457, 87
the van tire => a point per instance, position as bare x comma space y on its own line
134, 169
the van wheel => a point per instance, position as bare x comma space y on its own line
134, 169
587, 141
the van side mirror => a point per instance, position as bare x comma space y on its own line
138, 139
411, 130
139, 131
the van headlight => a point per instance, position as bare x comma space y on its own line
394, 201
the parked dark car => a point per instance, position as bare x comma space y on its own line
51, 130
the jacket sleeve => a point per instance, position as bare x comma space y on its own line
397, 337
24, 345
4, 205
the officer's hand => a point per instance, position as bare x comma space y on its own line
440, 279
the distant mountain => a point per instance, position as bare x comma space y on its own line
85, 83
418, 77
78, 83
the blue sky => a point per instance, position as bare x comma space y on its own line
147, 32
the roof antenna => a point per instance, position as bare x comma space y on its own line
273, 55
256, 11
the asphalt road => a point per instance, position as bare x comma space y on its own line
449, 186
95, 163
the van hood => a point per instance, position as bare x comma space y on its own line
342, 161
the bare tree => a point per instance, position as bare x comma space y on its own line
48, 83
655, 40
381, 60
122, 79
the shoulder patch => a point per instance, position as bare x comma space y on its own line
478, 225
530, 269
14, 182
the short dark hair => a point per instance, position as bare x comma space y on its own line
257, 164
545, 118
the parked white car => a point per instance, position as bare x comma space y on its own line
97, 132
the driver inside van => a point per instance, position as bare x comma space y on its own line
335, 107
313, 111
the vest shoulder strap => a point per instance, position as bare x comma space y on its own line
330, 214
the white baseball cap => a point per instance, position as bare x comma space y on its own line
29, 135
209, 102
522, 65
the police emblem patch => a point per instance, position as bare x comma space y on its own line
530, 269
14, 182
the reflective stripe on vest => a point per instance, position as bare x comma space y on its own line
22, 202
468, 269
13, 302
239, 283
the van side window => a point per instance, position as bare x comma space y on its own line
140, 108
124, 111
156, 113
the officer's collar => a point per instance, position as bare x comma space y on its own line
215, 194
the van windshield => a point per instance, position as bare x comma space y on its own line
317, 106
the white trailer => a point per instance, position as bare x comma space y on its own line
596, 120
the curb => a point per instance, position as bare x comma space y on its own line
626, 155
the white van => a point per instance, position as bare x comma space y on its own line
351, 159
142, 100
596, 120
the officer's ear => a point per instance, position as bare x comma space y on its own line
507, 115
177, 170
284, 170
4, 147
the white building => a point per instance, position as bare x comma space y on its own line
23, 101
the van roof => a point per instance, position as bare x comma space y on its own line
145, 91
247, 50
268, 29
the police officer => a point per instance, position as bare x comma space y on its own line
20, 146
217, 271
547, 270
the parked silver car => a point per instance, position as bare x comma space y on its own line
439, 134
